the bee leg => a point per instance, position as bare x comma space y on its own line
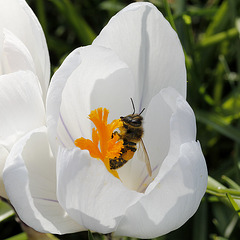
117, 163
128, 152
116, 133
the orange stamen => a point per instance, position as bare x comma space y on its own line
110, 145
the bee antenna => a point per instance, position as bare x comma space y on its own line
133, 106
142, 111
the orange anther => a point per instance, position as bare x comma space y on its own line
102, 135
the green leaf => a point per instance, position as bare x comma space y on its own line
25, 236
215, 237
231, 105
217, 189
6, 211
214, 184
231, 183
169, 14
217, 122
21, 236
234, 204
231, 226
218, 38
41, 13
84, 32
218, 21
205, 12
111, 6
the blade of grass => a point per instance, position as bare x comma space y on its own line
169, 14
218, 38
21, 236
84, 32
40, 7
206, 12
217, 189
215, 237
234, 204
111, 7
219, 20
231, 183
217, 123
231, 226
5, 211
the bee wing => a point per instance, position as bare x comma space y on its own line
145, 156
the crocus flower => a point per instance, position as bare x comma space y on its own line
25, 71
136, 56
24, 75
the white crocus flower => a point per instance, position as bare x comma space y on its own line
24, 79
139, 56
24, 75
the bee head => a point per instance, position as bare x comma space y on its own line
134, 120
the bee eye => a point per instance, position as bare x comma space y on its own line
136, 121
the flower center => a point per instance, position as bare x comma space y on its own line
104, 144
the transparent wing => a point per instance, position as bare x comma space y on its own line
144, 155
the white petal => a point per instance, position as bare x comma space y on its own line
21, 106
101, 80
182, 130
183, 123
142, 38
30, 181
89, 193
156, 138
3, 156
15, 55
176, 191
168, 122
54, 97
17, 17
175, 198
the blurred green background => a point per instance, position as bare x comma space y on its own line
209, 32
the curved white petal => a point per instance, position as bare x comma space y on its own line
21, 106
17, 17
174, 199
176, 191
15, 55
101, 80
30, 180
156, 138
89, 193
143, 38
182, 130
54, 96
3, 156
168, 122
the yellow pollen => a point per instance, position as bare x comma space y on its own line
104, 145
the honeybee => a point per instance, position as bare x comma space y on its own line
131, 133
